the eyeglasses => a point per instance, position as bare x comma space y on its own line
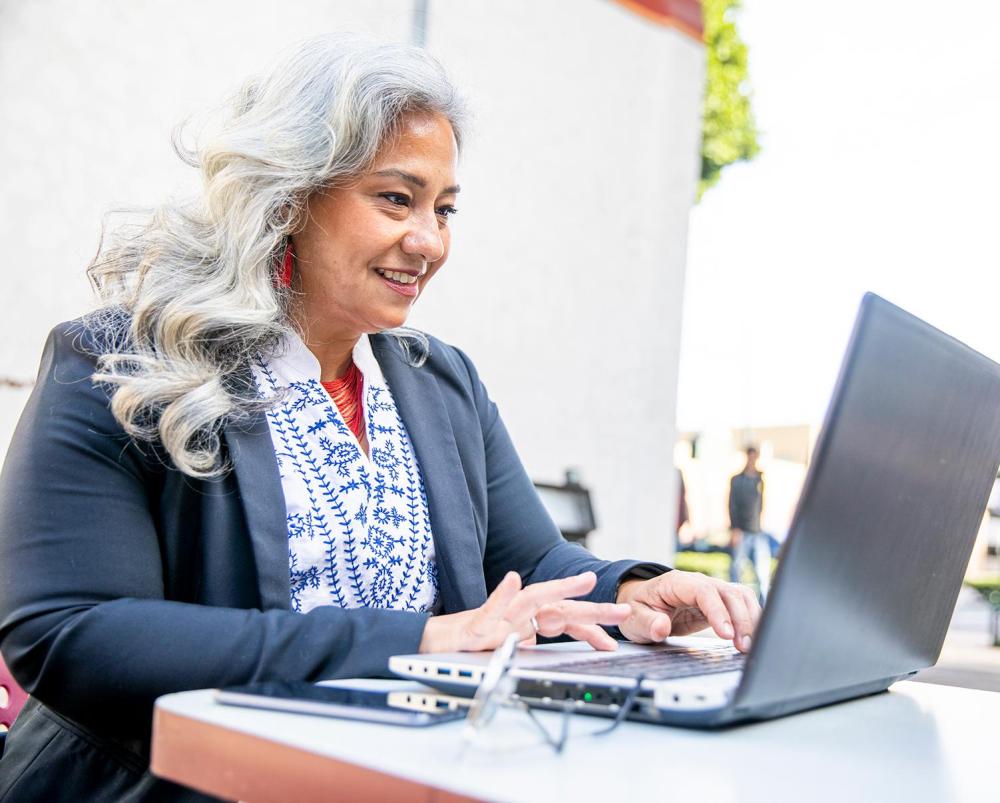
498, 688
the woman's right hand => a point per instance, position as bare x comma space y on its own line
510, 607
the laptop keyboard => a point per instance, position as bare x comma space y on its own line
658, 664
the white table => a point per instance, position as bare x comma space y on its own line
918, 742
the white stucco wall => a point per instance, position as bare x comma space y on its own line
566, 279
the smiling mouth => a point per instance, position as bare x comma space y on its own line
399, 276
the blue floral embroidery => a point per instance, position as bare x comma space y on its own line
340, 455
299, 525
330, 419
417, 567
307, 394
282, 421
358, 526
385, 457
301, 580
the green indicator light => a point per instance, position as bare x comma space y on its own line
587, 696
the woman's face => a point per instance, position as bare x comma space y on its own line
368, 249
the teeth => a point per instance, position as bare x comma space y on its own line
396, 276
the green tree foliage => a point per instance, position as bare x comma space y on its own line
729, 133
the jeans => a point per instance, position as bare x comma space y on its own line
757, 548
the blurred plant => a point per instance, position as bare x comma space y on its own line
729, 133
714, 564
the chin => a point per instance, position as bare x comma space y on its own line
392, 322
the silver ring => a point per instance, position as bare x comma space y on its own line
534, 623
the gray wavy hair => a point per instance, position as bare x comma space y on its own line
196, 280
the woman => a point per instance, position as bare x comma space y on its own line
241, 468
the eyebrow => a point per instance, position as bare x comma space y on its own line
416, 181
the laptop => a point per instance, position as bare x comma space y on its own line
870, 571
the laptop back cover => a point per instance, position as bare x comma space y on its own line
887, 519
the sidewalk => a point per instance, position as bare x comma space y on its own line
968, 657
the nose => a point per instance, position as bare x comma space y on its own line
424, 238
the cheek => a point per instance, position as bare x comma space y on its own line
348, 257
356, 237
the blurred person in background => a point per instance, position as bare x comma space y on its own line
243, 467
747, 539
683, 530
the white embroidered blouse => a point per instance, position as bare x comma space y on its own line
359, 534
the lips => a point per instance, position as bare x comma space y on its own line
402, 282
400, 276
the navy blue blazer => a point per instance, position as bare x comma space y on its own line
122, 579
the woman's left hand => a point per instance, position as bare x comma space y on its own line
678, 603
541, 609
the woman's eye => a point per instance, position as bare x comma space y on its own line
446, 211
398, 199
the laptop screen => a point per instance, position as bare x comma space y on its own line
888, 514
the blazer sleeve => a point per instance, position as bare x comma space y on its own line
521, 535
83, 616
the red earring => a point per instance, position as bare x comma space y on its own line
284, 278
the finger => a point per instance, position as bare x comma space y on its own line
494, 610
739, 615
596, 637
646, 625
554, 619
713, 608
533, 597
753, 605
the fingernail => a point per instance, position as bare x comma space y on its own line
746, 643
727, 630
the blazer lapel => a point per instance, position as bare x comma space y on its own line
456, 542
259, 483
